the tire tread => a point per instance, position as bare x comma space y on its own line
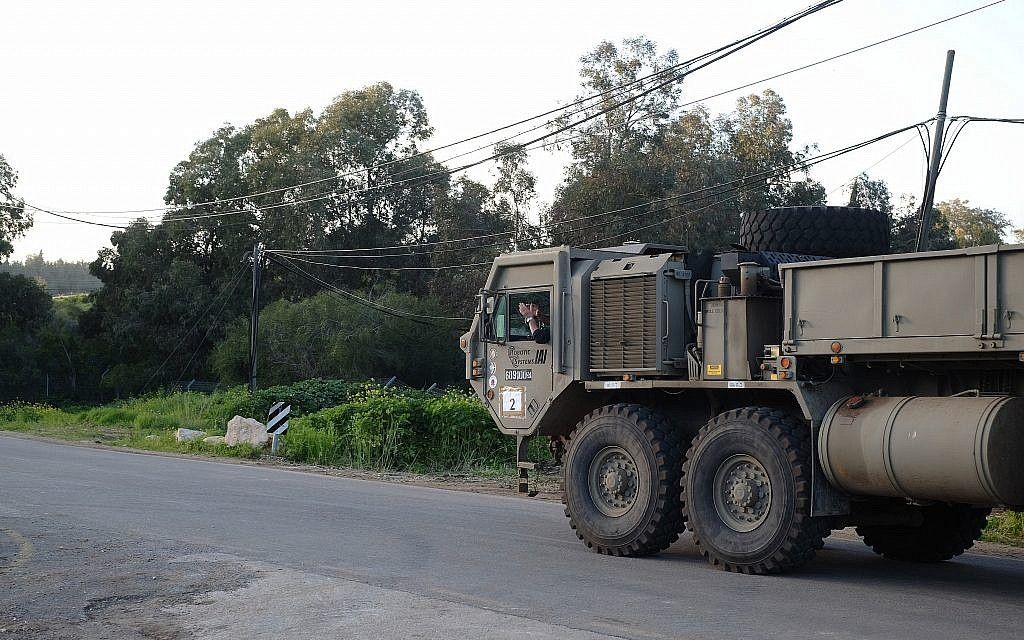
947, 531
837, 232
667, 520
805, 534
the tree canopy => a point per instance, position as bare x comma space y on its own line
653, 150
14, 219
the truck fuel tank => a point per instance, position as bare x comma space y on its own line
952, 449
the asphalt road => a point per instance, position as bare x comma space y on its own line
105, 544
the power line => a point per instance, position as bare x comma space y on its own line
387, 185
365, 268
871, 166
213, 323
233, 283
962, 122
709, 97
415, 317
715, 56
738, 191
580, 101
801, 165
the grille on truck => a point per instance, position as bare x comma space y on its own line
623, 324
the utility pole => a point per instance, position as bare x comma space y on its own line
254, 317
933, 166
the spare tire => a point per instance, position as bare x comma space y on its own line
837, 232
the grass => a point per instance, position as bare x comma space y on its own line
113, 426
1006, 527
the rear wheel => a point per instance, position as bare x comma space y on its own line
746, 492
620, 481
946, 530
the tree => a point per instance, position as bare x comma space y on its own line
906, 221
871, 194
14, 219
326, 336
639, 123
613, 165
973, 226
25, 311
651, 151
290, 180
514, 192
759, 134
467, 211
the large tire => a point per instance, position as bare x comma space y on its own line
947, 530
620, 481
747, 492
837, 232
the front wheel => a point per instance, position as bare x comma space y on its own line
620, 477
747, 492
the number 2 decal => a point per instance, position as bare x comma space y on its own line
512, 402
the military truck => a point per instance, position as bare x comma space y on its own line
761, 397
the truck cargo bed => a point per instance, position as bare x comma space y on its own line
926, 304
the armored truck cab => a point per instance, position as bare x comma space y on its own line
760, 398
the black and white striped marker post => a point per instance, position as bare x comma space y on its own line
277, 422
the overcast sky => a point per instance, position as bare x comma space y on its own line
102, 99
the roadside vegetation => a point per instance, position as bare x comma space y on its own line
1006, 527
335, 423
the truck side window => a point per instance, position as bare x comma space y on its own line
497, 322
535, 326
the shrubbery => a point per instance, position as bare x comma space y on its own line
409, 430
334, 423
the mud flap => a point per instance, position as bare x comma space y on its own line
826, 500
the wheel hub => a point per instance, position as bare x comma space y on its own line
743, 493
613, 481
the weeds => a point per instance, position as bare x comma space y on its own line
1006, 527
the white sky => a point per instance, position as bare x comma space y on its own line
101, 99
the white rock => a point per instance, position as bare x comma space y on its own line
246, 430
152, 436
184, 435
214, 440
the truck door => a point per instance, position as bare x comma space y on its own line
519, 374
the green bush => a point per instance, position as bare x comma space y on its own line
314, 446
305, 397
411, 430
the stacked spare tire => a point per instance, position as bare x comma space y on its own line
835, 232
